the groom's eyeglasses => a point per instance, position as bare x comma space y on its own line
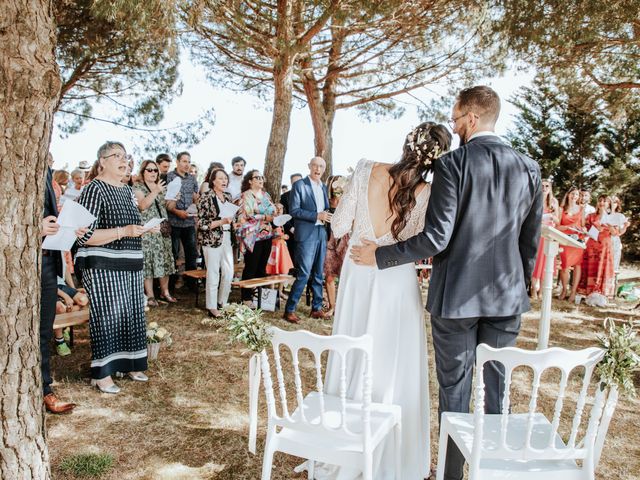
452, 121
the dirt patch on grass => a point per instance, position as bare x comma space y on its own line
190, 421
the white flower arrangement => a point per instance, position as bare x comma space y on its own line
157, 334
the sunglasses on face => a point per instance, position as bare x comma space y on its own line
150, 170
257, 177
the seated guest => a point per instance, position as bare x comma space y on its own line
551, 211
255, 231
110, 258
618, 220
571, 223
597, 263
279, 260
70, 299
156, 247
214, 235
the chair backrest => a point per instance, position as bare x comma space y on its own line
330, 421
534, 445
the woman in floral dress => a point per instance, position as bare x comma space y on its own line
156, 247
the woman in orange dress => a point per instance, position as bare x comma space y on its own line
571, 223
551, 210
597, 265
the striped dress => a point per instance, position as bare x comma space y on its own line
112, 276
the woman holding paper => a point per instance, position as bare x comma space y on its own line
214, 235
597, 264
571, 223
156, 247
551, 210
617, 219
110, 257
255, 232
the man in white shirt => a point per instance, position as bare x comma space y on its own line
235, 177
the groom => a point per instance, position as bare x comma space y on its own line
482, 229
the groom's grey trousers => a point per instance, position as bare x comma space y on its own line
454, 342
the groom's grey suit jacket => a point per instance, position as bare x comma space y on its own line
482, 229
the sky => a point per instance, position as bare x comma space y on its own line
243, 124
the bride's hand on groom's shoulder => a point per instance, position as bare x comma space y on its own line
364, 254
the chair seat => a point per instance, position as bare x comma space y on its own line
383, 419
460, 427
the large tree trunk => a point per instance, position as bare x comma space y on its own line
283, 100
29, 88
322, 101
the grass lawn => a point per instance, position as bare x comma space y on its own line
190, 421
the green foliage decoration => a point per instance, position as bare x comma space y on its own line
622, 357
246, 326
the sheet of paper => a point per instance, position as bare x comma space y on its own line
72, 217
63, 240
192, 210
154, 222
75, 215
280, 220
593, 233
173, 189
228, 209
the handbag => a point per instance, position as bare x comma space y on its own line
165, 227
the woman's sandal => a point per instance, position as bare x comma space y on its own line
152, 302
168, 298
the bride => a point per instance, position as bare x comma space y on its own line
387, 203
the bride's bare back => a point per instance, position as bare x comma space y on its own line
380, 213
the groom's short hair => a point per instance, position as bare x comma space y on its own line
481, 100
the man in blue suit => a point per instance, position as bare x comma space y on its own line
308, 205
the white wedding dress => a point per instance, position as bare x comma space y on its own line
387, 305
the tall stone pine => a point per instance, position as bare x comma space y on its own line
29, 88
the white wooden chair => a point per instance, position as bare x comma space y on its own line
325, 428
528, 446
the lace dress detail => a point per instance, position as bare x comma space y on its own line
353, 216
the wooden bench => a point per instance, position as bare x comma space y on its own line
261, 282
197, 275
71, 319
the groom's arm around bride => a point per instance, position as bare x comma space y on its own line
482, 229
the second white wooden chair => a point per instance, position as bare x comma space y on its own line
527, 446
325, 428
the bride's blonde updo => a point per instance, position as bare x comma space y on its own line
422, 146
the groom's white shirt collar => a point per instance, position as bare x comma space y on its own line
482, 133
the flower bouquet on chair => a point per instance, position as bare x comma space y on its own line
156, 336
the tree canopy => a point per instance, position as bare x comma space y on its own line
124, 54
596, 41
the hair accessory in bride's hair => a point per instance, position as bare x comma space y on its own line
419, 142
